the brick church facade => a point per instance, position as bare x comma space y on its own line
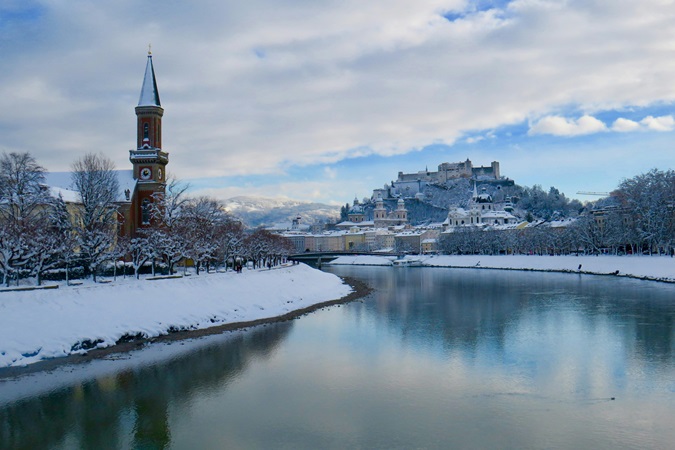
148, 159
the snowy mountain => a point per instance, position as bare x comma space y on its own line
257, 211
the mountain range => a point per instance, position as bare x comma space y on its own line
261, 211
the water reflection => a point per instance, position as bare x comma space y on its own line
130, 408
433, 358
469, 309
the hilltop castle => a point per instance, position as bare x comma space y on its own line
410, 185
451, 171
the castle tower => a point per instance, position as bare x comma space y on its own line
148, 160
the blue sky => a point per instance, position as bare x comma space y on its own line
325, 100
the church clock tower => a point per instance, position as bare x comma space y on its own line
148, 160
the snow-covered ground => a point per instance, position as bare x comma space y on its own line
660, 268
41, 324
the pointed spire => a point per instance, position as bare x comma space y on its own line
149, 93
475, 191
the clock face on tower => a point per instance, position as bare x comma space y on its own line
146, 173
159, 174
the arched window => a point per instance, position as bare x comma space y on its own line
146, 131
145, 212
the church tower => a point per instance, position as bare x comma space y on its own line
148, 160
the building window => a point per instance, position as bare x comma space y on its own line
146, 131
145, 212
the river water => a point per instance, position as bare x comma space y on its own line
433, 358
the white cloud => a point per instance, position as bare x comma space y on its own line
624, 125
663, 123
649, 123
330, 173
560, 126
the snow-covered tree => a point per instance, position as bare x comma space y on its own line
648, 201
198, 224
95, 181
231, 240
166, 209
25, 205
141, 251
55, 244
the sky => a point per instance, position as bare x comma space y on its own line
325, 100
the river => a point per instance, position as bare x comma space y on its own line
432, 358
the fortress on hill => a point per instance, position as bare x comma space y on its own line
411, 185
451, 171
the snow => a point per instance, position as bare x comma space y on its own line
62, 183
149, 95
42, 324
660, 268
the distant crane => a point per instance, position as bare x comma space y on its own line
599, 194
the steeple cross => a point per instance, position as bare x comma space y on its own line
149, 49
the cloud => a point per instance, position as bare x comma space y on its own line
330, 173
474, 139
663, 123
625, 125
255, 87
649, 123
560, 126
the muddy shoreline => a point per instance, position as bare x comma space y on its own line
360, 290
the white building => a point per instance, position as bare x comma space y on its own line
482, 212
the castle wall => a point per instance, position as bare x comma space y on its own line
449, 171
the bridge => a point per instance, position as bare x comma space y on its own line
315, 259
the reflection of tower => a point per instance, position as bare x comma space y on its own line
152, 422
149, 161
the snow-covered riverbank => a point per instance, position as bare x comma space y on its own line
41, 324
661, 268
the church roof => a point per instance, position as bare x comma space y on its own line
149, 93
62, 183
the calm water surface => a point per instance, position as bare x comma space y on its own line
433, 358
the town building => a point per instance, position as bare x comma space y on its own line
384, 219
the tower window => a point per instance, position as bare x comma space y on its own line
146, 131
145, 212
